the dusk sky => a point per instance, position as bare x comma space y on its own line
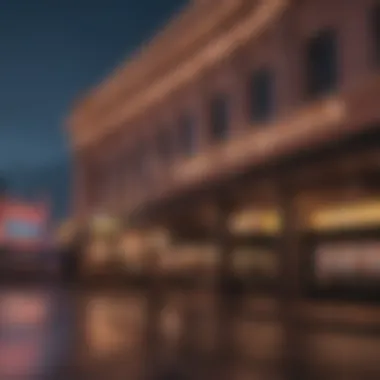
51, 53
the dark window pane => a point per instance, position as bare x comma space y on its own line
137, 162
187, 135
375, 32
261, 95
141, 159
136, 168
321, 63
219, 118
164, 145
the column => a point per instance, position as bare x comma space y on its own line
290, 282
225, 298
154, 295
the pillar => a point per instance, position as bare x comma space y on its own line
225, 297
154, 297
290, 286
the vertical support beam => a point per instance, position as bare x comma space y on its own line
225, 306
153, 307
290, 281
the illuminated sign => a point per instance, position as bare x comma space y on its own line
23, 225
347, 215
265, 221
348, 259
22, 229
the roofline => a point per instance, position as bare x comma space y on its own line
211, 54
142, 60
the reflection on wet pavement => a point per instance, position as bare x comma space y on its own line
58, 333
35, 330
51, 333
112, 327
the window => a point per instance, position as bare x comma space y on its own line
261, 95
375, 32
187, 138
321, 63
142, 160
136, 163
164, 145
219, 118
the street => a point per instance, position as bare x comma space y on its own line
65, 332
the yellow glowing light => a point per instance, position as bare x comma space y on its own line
267, 221
348, 215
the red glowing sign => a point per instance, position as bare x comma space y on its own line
23, 225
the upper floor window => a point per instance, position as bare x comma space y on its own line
375, 32
141, 159
164, 144
187, 135
321, 63
261, 95
136, 163
219, 118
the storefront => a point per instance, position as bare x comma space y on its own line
305, 260
342, 246
102, 253
255, 261
330, 280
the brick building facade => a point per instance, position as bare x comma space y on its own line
225, 86
260, 117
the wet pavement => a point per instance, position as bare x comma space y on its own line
53, 331
58, 332
36, 332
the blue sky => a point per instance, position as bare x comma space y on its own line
52, 52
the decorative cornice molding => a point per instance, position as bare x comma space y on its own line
214, 52
193, 24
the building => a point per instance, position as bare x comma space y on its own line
256, 82
254, 118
